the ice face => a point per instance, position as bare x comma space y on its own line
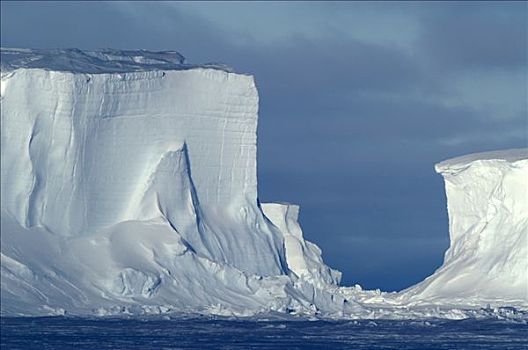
103, 131
78, 150
142, 171
129, 185
487, 202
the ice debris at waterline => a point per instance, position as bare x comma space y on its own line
129, 186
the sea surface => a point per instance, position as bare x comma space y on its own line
206, 333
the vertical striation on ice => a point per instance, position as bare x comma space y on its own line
78, 148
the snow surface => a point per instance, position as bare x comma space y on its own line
129, 186
101, 61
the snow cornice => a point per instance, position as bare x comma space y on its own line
454, 165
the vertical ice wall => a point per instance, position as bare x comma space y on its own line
80, 149
487, 202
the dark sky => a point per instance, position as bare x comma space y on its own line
359, 100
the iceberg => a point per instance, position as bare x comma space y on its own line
129, 186
487, 202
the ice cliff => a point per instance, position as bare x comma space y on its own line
128, 185
487, 202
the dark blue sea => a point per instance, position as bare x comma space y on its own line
200, 333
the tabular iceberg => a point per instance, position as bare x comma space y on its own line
487, 202
129, 186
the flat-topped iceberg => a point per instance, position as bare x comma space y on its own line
129, 185
487, 202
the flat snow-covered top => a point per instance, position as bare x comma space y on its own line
508, 155
98, 61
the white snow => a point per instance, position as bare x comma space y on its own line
82, 152
129, 185
303, 257
487, 201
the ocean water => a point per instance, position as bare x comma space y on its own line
204, 333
